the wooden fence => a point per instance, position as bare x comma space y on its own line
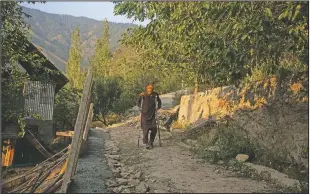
81, 130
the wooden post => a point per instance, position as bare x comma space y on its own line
196, 86
83, 147
88, 122
85, 116
78, 132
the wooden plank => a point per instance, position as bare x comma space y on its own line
83, 147
65, 133
78, 132
81, 135
88, 122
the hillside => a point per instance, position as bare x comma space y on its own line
52, 32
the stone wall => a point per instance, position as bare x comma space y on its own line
275, 114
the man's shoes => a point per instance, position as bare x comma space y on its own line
146, 146
151, 145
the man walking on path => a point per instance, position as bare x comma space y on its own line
148, 121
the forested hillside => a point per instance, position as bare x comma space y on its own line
52, 32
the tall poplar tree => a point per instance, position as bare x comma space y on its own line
73, 69
102, 54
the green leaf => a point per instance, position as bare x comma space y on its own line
283, 15
296, 12
268, 12
244, 37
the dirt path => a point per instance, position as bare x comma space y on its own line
172, 169
92, 171
167, 99
114, 163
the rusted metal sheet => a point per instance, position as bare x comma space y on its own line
7, 154
39, 99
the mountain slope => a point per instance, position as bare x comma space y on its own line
52, 32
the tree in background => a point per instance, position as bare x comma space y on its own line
15, 39
102, 55
220, 43
66, 108
106, 93
73, 68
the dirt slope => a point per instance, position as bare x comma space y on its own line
172, 169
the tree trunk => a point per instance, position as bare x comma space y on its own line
196, 86
103, 121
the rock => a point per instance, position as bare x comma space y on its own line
138, 175
125, 175
117, 175
114, 157
133, 182
126, 191
242, 157
110, 164
113, 185
213, 148
117, 190
121, 188
176, 108
122, 181
142, 188
199, 160
175, 130
279, 178
118, 164
116, 172
160, 192
220, 162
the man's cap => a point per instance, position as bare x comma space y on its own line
149, 86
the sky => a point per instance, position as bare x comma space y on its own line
94, 10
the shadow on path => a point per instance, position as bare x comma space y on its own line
92, 169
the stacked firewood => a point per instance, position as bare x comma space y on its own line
45, 177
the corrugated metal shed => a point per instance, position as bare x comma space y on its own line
39, 99
60, 79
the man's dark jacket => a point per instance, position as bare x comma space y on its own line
148, 120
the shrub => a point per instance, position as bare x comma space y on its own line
66, 108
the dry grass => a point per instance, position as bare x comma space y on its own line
180, 125
296, 87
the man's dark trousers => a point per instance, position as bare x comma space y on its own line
146, 135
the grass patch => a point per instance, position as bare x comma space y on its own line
228, 142
179, 125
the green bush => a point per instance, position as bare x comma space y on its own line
230, 143
66, 108
105, 95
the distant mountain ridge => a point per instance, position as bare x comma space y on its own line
52, 32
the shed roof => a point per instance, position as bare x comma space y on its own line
60, 79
